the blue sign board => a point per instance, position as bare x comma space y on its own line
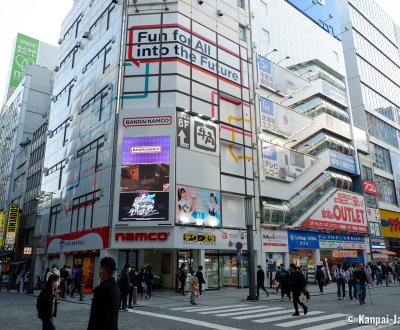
343, 162
270, 152
266, 106
302, 240
322, 12
348, 238
264, 65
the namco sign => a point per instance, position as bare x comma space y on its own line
160, 236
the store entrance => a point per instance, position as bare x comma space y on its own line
225, 269
87, 263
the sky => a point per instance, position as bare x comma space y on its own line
41, 19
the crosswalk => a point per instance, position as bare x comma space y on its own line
276, 316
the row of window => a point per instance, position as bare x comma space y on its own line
381, 157
377, 80
380, 104
34, 180
387, 193
37, 154
382, 130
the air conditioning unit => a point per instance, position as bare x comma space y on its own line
45, 171
84, 69
113, 39
220, 13
66, 161
105, 136
86, 34
53, 98
71, 118
110, 85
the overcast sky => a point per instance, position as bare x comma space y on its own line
41, 19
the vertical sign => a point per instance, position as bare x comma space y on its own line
183, 130
2, 220
12, 227
25, 54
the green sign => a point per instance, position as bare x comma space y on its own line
25, 53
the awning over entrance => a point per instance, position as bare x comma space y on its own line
385, 252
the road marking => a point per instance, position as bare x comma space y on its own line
328, 325
230, 310
263, 314
254, 311
284, 317
201, 309
370, 327
310, 320
185, 320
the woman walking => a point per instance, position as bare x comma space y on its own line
193, 287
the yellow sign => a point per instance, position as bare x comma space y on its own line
390, 224
12, 227
344, 254
2, 223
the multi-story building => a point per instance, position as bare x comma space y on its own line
24, 112
371, 48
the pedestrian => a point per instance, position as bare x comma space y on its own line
26, 280
361, 280
378, 274
46, 303
63, 282
148, 279
200, 277
397, 270
298, 287
124, 285
182, 275
141, 283
368, 272
277, 275
133, 279
349, 276
20, 281
106, 298
284, 283
341, 282
320, 277
260, 281
193, 288
77, 278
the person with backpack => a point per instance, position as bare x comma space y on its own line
320, 277
182, 275
148, 279
124, 285
46, 304
349, 276
284, 283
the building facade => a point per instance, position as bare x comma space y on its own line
372, 58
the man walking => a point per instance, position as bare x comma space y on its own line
349, 276
341, 283
361, 279
260, 281
77, 276
320, 277
106, 298
47, 303
133, 279
298, 286
200, 277
182, 275
124, 285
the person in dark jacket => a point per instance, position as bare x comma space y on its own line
297, 286
360, 278
284, 283
106, 299
140, 283
182, 275
77, 276
320, 277
200, 277
47, 304
148, 279
124, 285
133, 279
260, 281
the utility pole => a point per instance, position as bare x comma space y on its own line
248, 208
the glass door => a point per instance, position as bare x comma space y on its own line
211, 266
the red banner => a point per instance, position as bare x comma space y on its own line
370, 187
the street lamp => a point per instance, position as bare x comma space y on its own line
272, 51
248, 213
286, 58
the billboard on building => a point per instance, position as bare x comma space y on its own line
197, 206
281, 120
277, 78
12, 227
390, 224
25, 54
2, 224
284, 164
145, 172
395, 160
343, 162
343, 211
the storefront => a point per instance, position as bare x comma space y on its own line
79, 249
391, 232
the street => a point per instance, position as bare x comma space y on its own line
224, 310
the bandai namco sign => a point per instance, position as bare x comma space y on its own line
156, 236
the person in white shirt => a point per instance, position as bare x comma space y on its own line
341, 282
349, 276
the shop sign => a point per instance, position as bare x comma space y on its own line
370, 187
274, 241
343, 162
333, 241
303, 254
12, 227
344, 211
2, 223
94, 239
395, 160
390, 224
377, 243
344, 254
147, 121
373, 215
375, 229
302, 240
142, 236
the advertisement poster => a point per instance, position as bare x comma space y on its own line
390, 224
343, 211
2, 223
281, 120
277, 78
284, 164
274, 240
12, 228
333, 241
144, 186
395, 160
197, 206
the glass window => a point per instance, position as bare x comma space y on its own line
382, 130
240, 3
242, 32
386, 190
381, 158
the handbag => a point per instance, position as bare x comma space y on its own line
307, 294
302, 298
